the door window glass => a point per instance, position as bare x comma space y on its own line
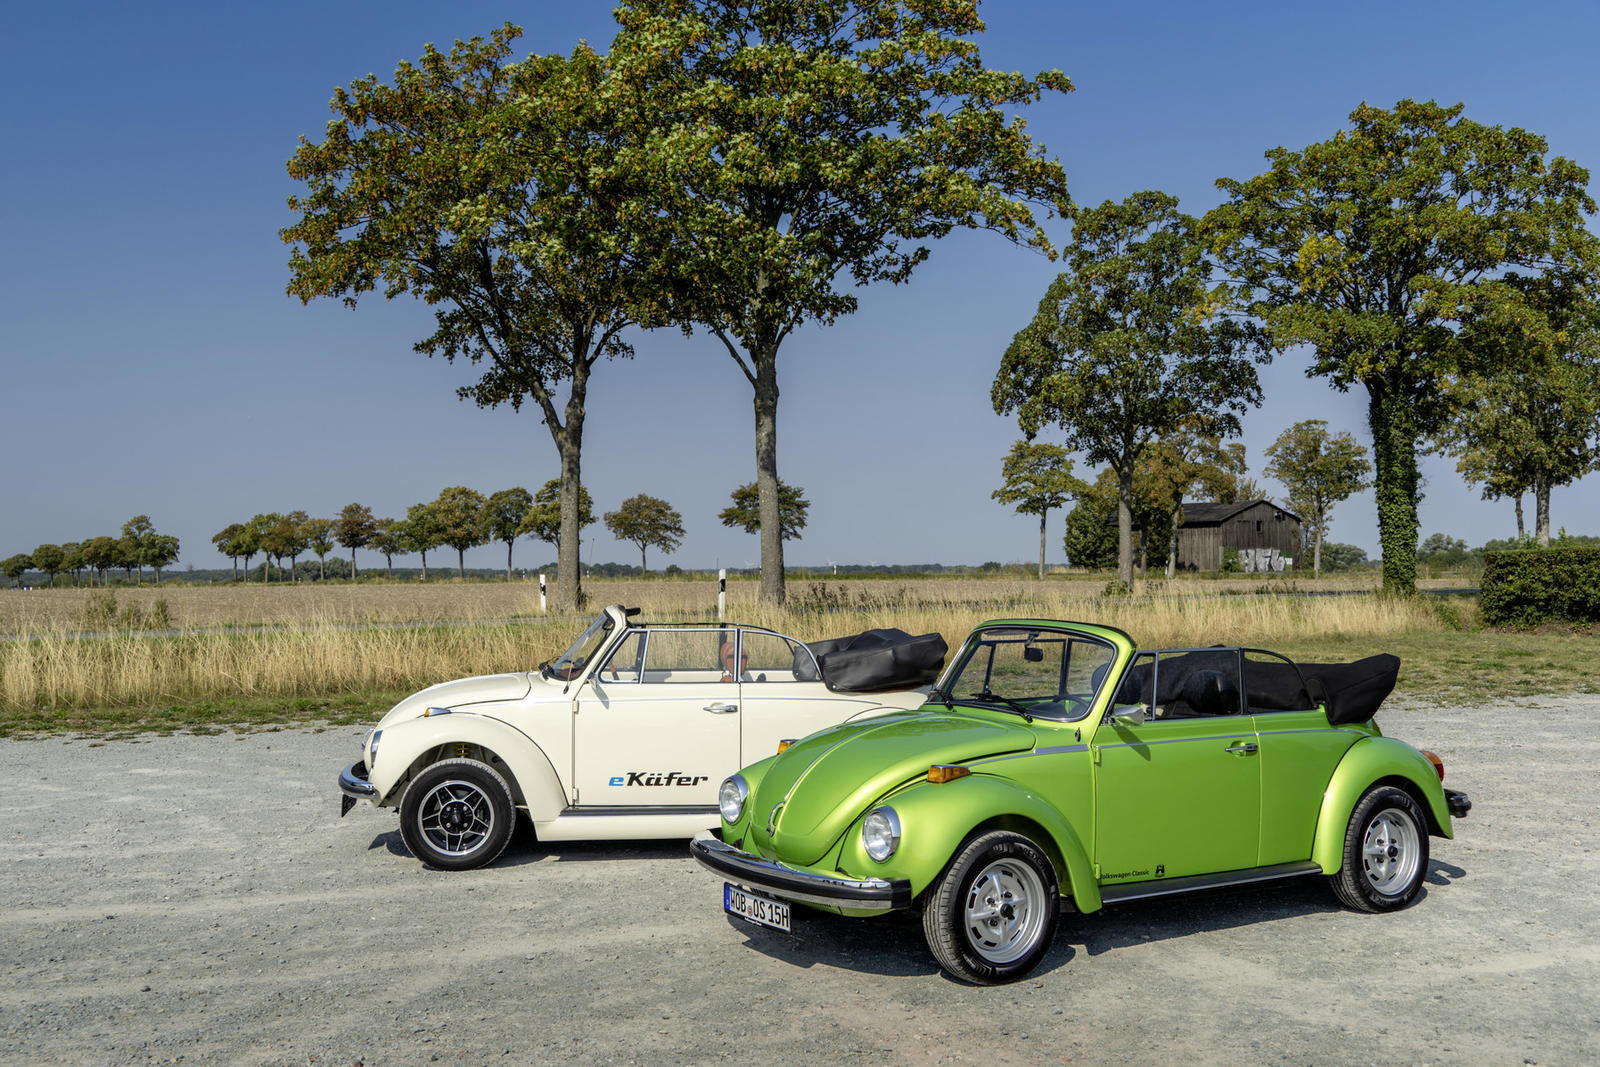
1197, 684
685, 655
770, 658
627, 659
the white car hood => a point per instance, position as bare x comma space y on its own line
460, 693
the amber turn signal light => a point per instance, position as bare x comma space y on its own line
941, 772
1438, 764
784, 745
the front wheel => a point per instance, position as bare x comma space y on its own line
1385, 852
991, 915
457, 814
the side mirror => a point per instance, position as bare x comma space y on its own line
1033, 655
1131, 714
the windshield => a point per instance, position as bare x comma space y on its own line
1044, 673
570, 663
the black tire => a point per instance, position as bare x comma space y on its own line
991, 915
457, 814
1385, 852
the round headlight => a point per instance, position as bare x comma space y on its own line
880, 833
731, 797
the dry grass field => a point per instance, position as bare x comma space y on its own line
195, 656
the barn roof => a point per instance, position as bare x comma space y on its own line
1216, 514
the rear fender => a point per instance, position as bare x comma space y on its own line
936, 819
408, 747
1369, 762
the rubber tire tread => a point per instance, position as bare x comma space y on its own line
493, 785
1351, 885
942, 906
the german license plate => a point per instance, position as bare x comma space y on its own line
756, 909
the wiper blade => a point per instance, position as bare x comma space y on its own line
1011, 705
545, 671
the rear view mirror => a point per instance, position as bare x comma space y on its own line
1033, 655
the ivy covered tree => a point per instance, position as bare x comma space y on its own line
1127, 346
503, 195
1401, 253
1319, 470
1038, 480
646, 520
808, 148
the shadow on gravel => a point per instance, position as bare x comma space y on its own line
525, 848
893, 944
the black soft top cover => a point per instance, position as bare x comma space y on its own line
1205, 682
874, 659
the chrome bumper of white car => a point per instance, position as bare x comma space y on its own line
354, 785
805, 887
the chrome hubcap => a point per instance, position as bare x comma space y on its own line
1004, 911
1390, 852
456, 817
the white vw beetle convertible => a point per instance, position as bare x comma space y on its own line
627, 734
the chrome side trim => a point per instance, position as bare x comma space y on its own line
1178, 740
1054, 750
1116, 894
804, 887
603, 811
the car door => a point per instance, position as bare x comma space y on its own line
781, 694
655, 726
1180, 793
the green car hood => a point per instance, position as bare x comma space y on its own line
828, 779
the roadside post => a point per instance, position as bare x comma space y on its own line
541, 593
722, 595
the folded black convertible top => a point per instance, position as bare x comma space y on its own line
874, 659
1205, 682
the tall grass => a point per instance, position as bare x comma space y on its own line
227, 655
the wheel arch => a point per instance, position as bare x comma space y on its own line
408, 747
1370, 763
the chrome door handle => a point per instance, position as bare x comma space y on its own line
721, 709
1245, 749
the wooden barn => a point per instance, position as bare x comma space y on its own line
1266, 536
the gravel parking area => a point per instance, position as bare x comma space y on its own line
198, 900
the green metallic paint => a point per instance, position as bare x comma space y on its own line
1296, 747
1369, 762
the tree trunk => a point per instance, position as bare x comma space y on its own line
569, 580
1042, 515
1316, 545
1394, 449
1517, 500
1541, 510
461, 563
353, 574
508, 560
424, 564
1172, 545
1125, 527
765, 359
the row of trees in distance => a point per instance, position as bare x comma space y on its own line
138, 547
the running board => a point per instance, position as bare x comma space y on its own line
1117, 894
628, 824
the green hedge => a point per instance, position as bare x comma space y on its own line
1531, 586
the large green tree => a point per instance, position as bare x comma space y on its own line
1399, 252
14, 567
135, 543
461, 515
1038, 480
319, 538
421, 533
746, 511
354, 529
1319, 469
49, 560
646, 520
389, 541
100, 554
808, 148
1126, 346
500, 194
546, 520
505, 512
226, 540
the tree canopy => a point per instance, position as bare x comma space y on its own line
745, 511
1127, 346
505, 513
1318, 469
1038, 480
1402, 251
646, 520
807, 148
461, 521
354, 529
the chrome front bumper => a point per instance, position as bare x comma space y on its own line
804, 887
354, 785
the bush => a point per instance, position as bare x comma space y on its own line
1531, 586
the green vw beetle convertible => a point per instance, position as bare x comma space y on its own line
1056, 763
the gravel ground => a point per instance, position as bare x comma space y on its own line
198, 900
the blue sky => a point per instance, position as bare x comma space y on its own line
152, 363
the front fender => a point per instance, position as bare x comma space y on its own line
936, 819
404, 742
1368, 762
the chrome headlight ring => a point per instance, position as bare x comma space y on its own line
731, 797
880, 833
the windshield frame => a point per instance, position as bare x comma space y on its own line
581, 653
1022, 632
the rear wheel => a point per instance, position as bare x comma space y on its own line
1385, 852
457, 814
991, 915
